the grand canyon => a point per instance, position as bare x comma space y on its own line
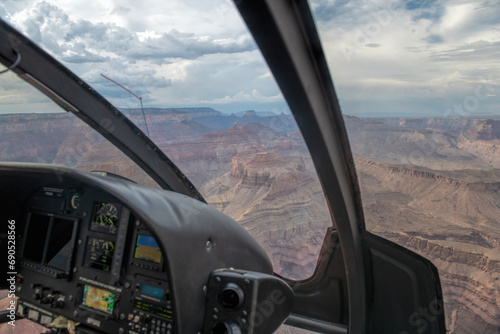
429, 184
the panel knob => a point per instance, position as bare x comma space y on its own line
59, 303
48, 299
231, 296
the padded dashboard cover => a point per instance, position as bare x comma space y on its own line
195, 238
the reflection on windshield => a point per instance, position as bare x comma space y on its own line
418, 86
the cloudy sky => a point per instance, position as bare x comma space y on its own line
386, 57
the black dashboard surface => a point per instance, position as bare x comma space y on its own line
122, 258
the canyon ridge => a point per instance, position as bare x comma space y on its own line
429, 184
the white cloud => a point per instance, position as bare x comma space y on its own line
252, 96
398, 53
457, 16
431, 55
185, 53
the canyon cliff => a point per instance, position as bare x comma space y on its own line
433, 186
429, 184
289, 196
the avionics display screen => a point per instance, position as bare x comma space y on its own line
146, 248
106, 217
152, 291
98, 299
60, 245
99, 254
35, 237
157, 310
49, 240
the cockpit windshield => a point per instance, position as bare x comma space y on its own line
193, 80
418, 84
33, 129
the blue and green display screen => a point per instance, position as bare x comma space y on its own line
147, 249
152, 291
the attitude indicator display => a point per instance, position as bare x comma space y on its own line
106, 217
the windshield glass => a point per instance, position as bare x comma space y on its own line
190, 76
418, 85
54, 136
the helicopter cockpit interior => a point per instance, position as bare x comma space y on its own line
114, 256
90, 253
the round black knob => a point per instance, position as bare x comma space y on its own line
48, 300
231, 296
226, 327
59, 303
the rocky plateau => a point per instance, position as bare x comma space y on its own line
429, 184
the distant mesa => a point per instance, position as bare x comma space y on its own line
249, 113
235, 134
200, 112
254, 113
257, 167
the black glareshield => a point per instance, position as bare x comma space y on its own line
241, 301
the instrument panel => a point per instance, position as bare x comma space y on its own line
86, 257
117, 257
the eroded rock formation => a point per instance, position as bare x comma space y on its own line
451, 220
